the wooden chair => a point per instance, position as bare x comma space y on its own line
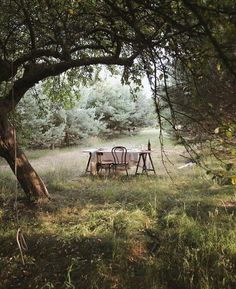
103, 164
120, 158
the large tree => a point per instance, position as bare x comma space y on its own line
43, 38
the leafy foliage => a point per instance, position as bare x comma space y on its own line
117, 108
104, 109
46, 123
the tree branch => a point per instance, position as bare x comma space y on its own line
38, 72
212, 39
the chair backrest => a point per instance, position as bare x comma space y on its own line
119, 154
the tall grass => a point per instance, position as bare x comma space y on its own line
121, 232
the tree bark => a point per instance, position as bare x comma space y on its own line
29, 180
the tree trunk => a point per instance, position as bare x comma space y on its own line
29, 180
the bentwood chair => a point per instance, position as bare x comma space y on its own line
120, 158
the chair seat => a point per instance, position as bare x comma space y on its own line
123, 164
107, 162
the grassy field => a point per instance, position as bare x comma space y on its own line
133, 232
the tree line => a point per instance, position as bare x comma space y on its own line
103, 109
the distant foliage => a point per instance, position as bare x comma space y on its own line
80, 124
41, 122
117, 108
103, 109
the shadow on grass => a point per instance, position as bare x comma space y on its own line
85, 263
68, 258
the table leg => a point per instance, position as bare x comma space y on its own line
139, 159
153, 169
143, 156
88, 163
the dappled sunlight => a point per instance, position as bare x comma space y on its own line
94, 221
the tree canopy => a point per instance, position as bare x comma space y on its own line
43, 38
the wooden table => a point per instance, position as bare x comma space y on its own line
141, 158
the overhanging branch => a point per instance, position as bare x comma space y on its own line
38, 72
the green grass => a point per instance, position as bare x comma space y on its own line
121, 232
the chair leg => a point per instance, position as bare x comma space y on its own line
97, 168
126, 170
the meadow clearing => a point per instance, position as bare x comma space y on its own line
161, 231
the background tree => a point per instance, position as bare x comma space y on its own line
103, 109
40, 122
46, 123
117, 109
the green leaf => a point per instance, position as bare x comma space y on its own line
229, 134
233, 152
229, 166
189, 64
